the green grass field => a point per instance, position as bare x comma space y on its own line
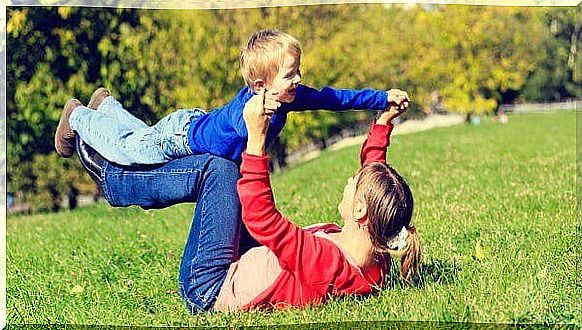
495, 208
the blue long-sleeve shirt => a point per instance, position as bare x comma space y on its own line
223, 132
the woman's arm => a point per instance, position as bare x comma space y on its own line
295, 248
375, 147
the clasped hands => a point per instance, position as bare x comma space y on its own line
259, 109
257, 117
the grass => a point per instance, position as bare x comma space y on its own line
495, 208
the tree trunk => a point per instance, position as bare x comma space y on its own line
278, 153
73, 195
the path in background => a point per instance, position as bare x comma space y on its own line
541, 107
438, 120
409, 126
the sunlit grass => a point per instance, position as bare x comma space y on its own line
495, 208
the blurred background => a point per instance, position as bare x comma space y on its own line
469, 60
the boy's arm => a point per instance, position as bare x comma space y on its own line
375, 147
328, 98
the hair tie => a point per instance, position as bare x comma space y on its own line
398, 242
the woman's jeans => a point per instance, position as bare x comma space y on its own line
213, 242
125, 140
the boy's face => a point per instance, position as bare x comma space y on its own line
284, 85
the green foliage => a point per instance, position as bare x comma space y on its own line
51, 58
53, 176
155, 61
475, 54
494, 207
554, 77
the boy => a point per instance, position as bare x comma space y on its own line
269, 63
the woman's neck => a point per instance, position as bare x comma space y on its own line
357, 244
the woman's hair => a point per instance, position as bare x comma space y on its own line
390, 204
264, 53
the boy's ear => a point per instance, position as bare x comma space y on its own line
258, 85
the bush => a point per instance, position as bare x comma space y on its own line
49, 181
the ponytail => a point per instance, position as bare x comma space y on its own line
410, 260
409, 256
390, 205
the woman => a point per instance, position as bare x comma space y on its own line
291, 266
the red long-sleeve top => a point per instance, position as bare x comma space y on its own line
312, 268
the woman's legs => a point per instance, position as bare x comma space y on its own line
213, 241
214, 235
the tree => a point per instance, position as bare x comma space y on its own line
52, 55
157, 61
479, 54
554, 77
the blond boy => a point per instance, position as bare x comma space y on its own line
269, 63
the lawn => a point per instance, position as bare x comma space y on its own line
495, 208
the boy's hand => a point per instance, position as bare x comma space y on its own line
398, 98
271, 103
257, 122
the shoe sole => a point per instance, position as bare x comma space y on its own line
86, 157
98, 96
65, 136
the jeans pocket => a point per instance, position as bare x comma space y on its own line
174, 133
175, 145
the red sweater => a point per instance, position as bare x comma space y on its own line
312, 268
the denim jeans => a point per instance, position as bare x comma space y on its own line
213, 241
124, 139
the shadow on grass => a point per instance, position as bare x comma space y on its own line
436, 271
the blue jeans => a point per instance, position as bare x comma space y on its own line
125, 140
214, 241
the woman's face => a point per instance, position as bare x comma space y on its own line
346, 206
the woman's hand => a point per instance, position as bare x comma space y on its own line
270, 103
386, 116
257, 122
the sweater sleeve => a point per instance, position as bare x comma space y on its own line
296, 249
328, 98
375, 147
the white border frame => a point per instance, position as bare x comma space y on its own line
175, 4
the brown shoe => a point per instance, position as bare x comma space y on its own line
98, 96
65, 136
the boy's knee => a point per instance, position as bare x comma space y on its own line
109, 102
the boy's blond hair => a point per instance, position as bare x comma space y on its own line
264, 53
